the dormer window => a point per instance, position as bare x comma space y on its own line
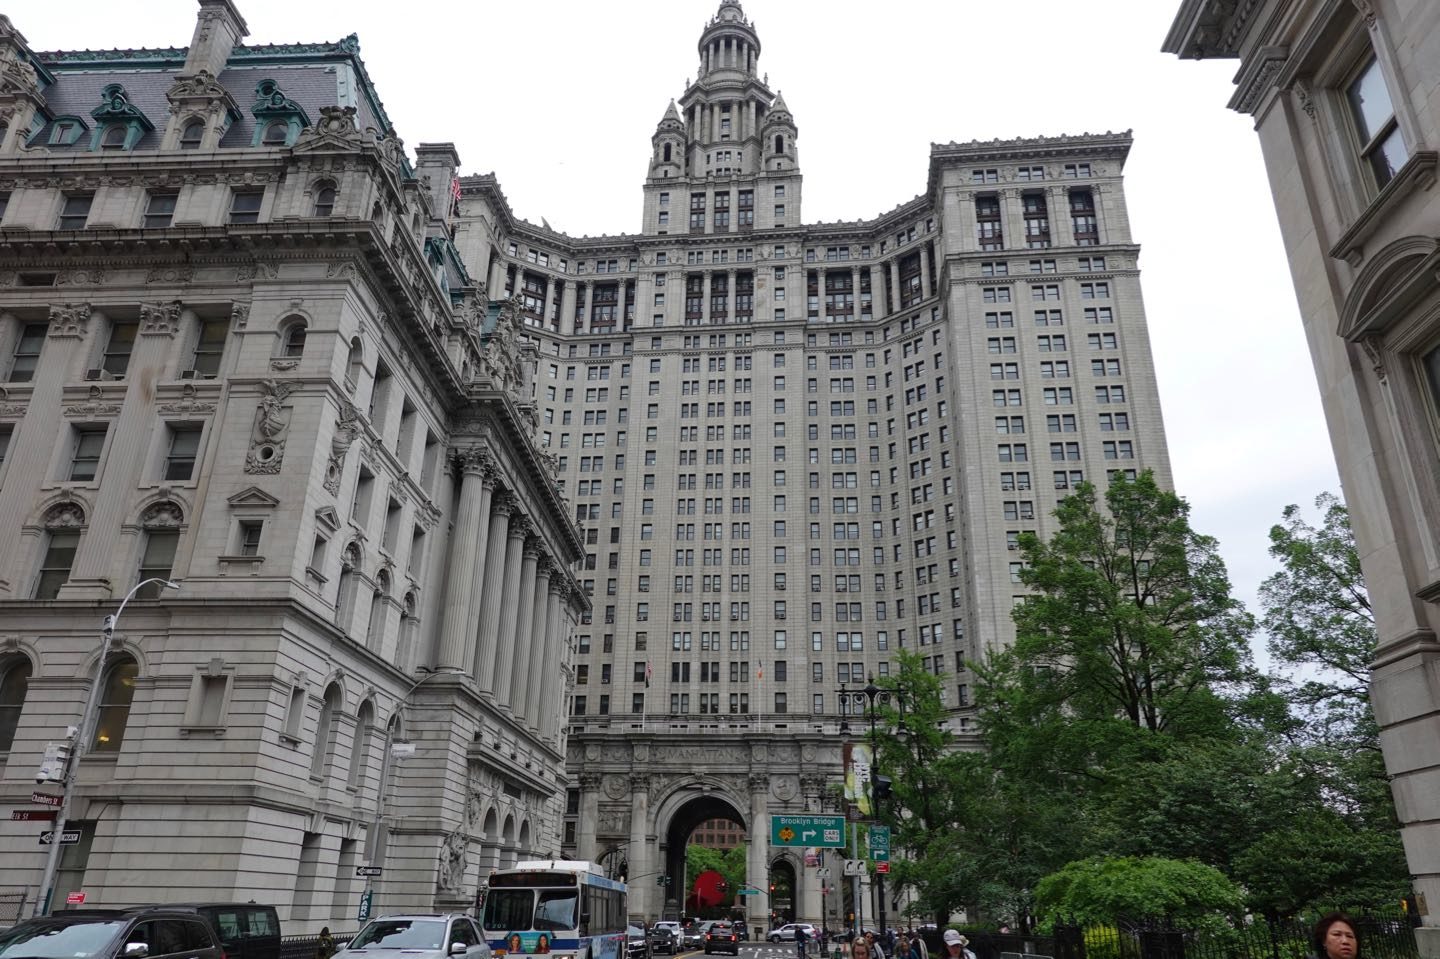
65, 131
191, 135
119, 123
278, 119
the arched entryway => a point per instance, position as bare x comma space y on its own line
683, 822
784, 891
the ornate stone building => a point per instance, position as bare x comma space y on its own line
798, 448
1344, 97
238, 349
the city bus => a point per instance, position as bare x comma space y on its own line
561, 908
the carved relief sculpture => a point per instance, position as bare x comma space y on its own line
347, 428
272, 423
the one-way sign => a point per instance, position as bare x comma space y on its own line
368, 870
68, 838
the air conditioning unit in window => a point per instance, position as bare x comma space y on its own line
92, 376
187, 374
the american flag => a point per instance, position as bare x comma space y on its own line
455, 188
647, 675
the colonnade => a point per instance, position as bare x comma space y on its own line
507, 612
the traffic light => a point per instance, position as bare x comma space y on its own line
772, 887
882, 787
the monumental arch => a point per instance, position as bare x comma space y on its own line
646, 792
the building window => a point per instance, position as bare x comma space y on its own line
27, 352
325, 733
158, 560
191, 134
324, 199
1431, 363
75, 211
277, 133
159, 210
245, 206
1381, 145
184, 448
85, 458
292, 340
210, 347
116, 694
14, 682
248, 541
118, 348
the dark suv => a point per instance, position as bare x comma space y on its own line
247, 930
149, 933
721, 937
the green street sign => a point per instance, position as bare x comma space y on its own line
825, 831
879, 843
363, 914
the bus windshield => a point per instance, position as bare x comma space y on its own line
515, 910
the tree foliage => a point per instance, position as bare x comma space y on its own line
1102, 890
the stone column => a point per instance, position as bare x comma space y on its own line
927, 285
896, 297
810, 905
641, 875
520, 530
730, 296
550, 676
819, 296
493, 598
758, 907
588, 316
549, 302
589, 816
465, 570
539, 632
522, 641
705, 298
1057, 205
1013, 216
567, 307
855, 293
496, 285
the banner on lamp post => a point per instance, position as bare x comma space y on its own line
857, 777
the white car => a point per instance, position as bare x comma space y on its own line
787, 932
447, 936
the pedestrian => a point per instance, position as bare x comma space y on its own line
919, 941
875, 951
859, 949
955, 945
325, 948
1335, 937
800, 938
905, 947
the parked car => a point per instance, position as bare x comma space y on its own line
433, 936
786, 933
144, 933
246, 930
692, 936
635, 945
721, 937
742, 929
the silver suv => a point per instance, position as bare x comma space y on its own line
419, 937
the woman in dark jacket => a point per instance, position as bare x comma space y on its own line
1335, 937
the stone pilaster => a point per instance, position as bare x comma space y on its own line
520, 529
466, 567
523, 641
493, 600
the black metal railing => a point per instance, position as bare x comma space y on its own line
308, 947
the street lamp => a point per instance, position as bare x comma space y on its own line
879, 785
78, 741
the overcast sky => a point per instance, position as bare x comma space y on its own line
560, 99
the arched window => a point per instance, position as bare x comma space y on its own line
375, 630
324, 198
63, 523
779, 143
114, 137
277, 134
360, 748
325, 732
191, 134
345, 594
292, 338
14, 680
356, 365
116, 694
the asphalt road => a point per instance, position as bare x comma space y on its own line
748, 950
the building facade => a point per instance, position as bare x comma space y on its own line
797, 449
1346, 100
238, 350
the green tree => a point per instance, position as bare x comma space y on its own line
729, 863
1130, 614
1102, 890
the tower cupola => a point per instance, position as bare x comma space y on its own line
729, 43
777, 138
668, 159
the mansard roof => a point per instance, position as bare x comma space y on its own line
305, 71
